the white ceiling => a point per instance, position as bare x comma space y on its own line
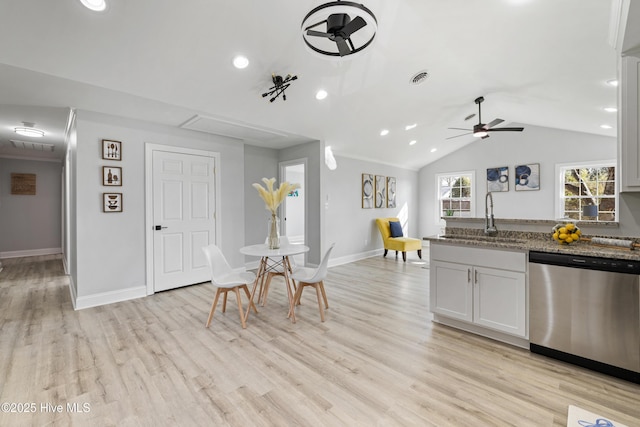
536, 62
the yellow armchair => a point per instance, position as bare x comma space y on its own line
402, 244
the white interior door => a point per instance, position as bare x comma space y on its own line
183, 218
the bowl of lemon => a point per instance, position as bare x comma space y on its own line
566, 234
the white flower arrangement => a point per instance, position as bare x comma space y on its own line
273, 198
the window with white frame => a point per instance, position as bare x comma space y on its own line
455, 194
588, 191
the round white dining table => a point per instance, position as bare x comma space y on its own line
279, 256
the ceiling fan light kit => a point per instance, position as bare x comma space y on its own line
338, 29
481, 130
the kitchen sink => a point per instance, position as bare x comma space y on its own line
488, 239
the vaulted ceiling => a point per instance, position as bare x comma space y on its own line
537, 62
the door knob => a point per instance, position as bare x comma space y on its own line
159, 227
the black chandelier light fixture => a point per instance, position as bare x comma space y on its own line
339, 29
279, 86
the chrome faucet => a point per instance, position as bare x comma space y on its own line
489, 222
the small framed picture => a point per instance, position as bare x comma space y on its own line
112, 202
111, 176
528, 177
498, 179
111, 150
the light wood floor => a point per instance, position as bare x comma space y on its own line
377, 360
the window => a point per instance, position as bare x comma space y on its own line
582, 185
455, 194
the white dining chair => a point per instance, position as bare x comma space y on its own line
313, 277
275, 269
224, 279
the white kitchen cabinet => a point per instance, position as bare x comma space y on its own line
629, 124
480, 286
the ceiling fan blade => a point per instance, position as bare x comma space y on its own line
318, 34
485, 137
493, 123
315, 25
343, 47
505, 130
460, 129
353, 26
462, 134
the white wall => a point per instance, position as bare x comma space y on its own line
111, 246
30, 224
545, 146
353, 228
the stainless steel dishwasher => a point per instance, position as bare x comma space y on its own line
586, 311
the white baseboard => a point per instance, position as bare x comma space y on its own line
72, 291
109, 297
354, 257
30, 252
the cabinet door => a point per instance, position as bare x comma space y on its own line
500, 300
451, 290
629, 129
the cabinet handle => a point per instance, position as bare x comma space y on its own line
476, 276
468, 275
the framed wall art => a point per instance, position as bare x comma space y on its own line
367, 190
112, 202
111, 150
391, 192
23, 184
111, 176
381, 191
498, 179
527, 177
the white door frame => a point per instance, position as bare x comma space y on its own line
149, 148
283, 166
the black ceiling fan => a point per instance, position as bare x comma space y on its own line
482, 130
340, 27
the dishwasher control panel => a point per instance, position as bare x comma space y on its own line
587, 262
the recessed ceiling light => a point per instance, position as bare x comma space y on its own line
384, 132
612, 82
95, 5
29, 130
412, 142
240, 62
610, 109
606, 126
433, 150
321, 94
409, 127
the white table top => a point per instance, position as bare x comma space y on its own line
262, 250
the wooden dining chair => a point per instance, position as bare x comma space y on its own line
224, 279
313, 277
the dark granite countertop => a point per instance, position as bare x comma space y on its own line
530, 241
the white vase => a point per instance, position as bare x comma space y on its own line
273, 232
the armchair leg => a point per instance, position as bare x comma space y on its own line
385, 253
404, 256
420, 253
396, 254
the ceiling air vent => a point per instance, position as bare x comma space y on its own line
419, 77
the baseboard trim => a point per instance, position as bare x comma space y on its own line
30, 252
111, 297
333, 262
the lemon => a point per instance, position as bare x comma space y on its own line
568, 239
563, 230
555, 236
578, 232
570, 227
562, 235
575, 236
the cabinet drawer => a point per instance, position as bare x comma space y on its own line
485, 257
